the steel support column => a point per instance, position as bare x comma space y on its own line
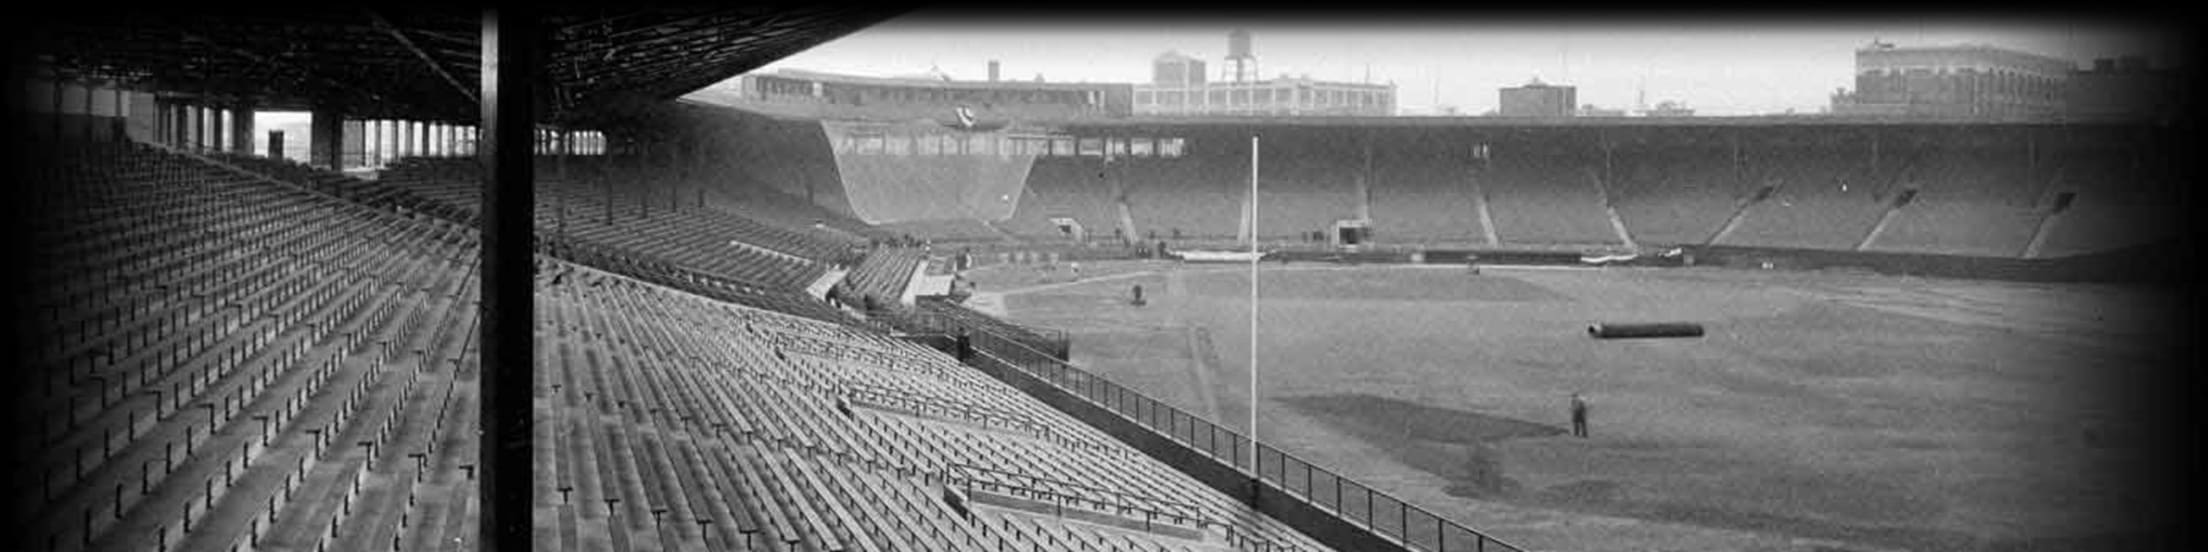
58, 115
160, 121
326, 139
241, 129
509, 42
91, 120
122, 120
199, 128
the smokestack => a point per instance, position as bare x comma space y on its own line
992, 70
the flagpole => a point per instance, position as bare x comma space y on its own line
1253, 307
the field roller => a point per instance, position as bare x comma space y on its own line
1618, 330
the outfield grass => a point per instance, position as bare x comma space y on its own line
1856, 411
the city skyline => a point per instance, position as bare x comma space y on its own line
1716, 68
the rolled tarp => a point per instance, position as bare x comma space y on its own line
1630, 330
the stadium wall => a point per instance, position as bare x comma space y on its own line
2168, 261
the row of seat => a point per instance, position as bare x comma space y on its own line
615, 213
1973, 201
664, 367
297, 376
882, 276
242, 338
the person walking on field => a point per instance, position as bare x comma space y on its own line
1579, 416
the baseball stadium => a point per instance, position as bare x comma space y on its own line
576, 279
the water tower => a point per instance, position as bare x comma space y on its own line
1240, 58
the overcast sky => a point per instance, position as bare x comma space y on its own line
1725, 67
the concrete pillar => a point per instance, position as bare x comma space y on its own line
326, 138
241, 129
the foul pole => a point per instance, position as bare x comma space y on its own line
1253, 307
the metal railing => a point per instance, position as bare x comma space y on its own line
1410, 526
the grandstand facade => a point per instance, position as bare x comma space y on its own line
823, 93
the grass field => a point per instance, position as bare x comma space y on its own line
1821, 411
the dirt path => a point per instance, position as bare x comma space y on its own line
1200, 356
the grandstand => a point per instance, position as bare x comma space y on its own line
706, 327
1983, 189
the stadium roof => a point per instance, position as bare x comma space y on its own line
423, 63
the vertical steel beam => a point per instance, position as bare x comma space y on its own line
509, 41
241, 129
91, 121
199, 128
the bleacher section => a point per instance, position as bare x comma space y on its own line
2118, 199
701, 239
1544, 194
883, 275
250, 364
1302, 190
790, 214
1969, 201
1077, 189
1424, 196
948, 231
1200, 200
1820, 199
818, 437
240, 364
633, 263
1675, 195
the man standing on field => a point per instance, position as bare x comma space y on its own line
1579, 416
